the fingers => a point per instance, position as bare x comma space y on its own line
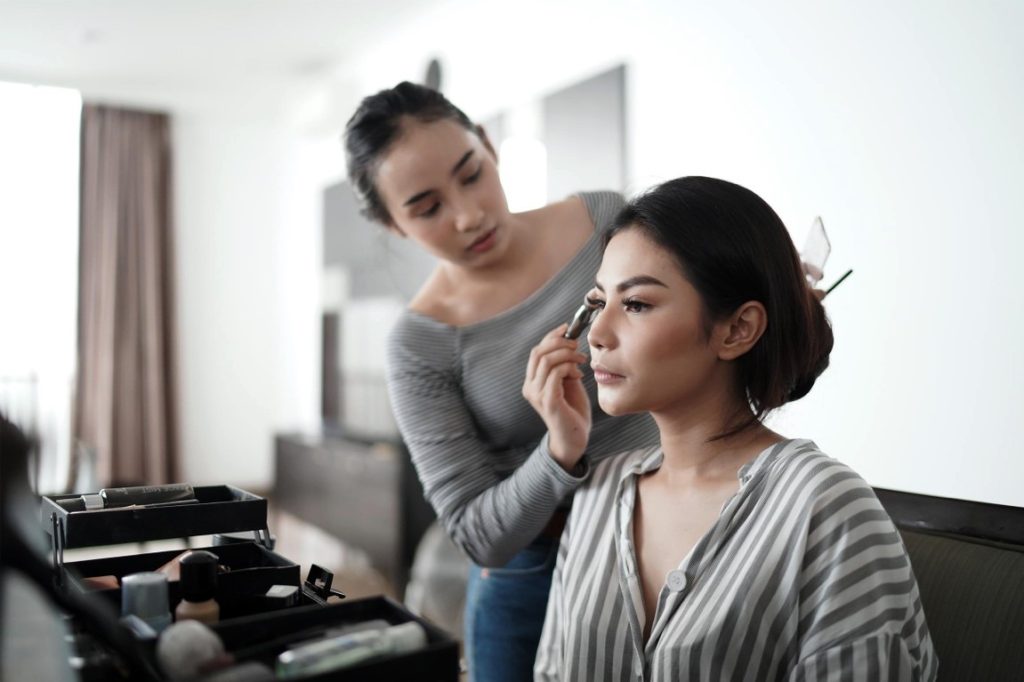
557, 358
575, 394
554, 385
551, 350
549, 371
562, 363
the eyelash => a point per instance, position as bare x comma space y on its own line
635, 305
468, 181
632, 305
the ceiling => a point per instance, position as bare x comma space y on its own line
150, 51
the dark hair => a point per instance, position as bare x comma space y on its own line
377, 123
733, 248
22, 549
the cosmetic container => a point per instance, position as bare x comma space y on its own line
145, 595
198, 588
281, 596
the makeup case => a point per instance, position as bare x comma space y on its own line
250, 633
253, 567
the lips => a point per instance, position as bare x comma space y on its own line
485, 242
602, 375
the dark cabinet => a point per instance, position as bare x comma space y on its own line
364, 493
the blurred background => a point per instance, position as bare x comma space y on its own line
187, 292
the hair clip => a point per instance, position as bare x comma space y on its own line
814, 255
815, 252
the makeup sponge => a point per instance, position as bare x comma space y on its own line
188, 649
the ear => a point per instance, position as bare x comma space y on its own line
742, 330
482, 134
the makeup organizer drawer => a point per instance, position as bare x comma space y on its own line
262, 638
252, 567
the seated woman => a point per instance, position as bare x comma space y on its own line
728, 552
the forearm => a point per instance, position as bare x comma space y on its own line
492, 524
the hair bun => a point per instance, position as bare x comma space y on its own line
819, 347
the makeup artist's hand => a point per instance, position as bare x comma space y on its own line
554, 388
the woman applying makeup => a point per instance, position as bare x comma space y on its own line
727, 552
498, 481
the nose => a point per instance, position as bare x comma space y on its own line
600, 334
469, 215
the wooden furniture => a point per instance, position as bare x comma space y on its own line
364, 493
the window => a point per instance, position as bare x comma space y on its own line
39, 175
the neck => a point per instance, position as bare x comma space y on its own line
688, 439
514, 259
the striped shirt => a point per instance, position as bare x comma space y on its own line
478, 446
802, 577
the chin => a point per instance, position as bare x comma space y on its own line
613, 407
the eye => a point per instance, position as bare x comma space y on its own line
634, 305
430, 211
475, 176
594, 302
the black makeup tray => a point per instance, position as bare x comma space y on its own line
262, 637
254, 567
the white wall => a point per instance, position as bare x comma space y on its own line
248, 263
899, 123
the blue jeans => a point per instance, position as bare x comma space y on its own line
505, 613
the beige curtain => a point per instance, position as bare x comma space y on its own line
124, 399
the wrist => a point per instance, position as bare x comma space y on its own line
567, 458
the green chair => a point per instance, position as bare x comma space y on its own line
968, 558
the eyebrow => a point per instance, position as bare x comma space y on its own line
462, 162
637, 281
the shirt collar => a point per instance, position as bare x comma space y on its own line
642, 462
648, 460
769, 455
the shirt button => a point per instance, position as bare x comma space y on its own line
676, 581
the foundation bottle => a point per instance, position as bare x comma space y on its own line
198, 588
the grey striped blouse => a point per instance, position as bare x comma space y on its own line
479, 448
802, 577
